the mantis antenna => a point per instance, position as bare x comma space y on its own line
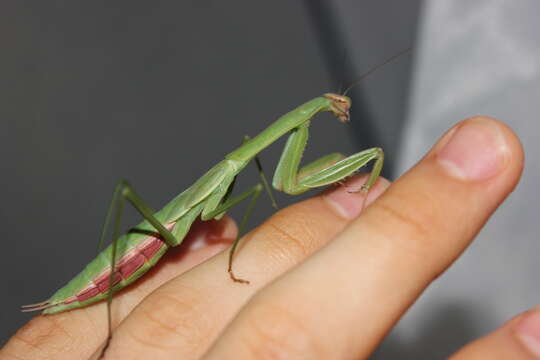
375, 68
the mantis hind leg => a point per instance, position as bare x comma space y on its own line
124, 191
327, 170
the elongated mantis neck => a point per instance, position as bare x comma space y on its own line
280, 127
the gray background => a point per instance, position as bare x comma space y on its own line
156, 92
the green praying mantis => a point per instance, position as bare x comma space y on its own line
131, 255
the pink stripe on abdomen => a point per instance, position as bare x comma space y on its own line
126, 266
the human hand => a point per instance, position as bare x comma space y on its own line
326, 283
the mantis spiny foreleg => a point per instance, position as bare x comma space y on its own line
326, 170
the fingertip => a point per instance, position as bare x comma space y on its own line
517, 339
479, 148
527, 331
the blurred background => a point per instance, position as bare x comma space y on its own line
157, 92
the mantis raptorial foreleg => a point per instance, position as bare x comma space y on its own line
323, 171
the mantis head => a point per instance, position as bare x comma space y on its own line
340, 105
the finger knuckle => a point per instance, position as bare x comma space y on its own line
289, 237
170, 319
415, 224
297, 231
284, 247
275, 332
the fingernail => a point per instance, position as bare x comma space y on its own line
345, 198
476, 150
528, 332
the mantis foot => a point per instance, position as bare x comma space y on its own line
235, 279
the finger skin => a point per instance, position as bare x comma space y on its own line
503, 343
342, 301
77, 333
184, 317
